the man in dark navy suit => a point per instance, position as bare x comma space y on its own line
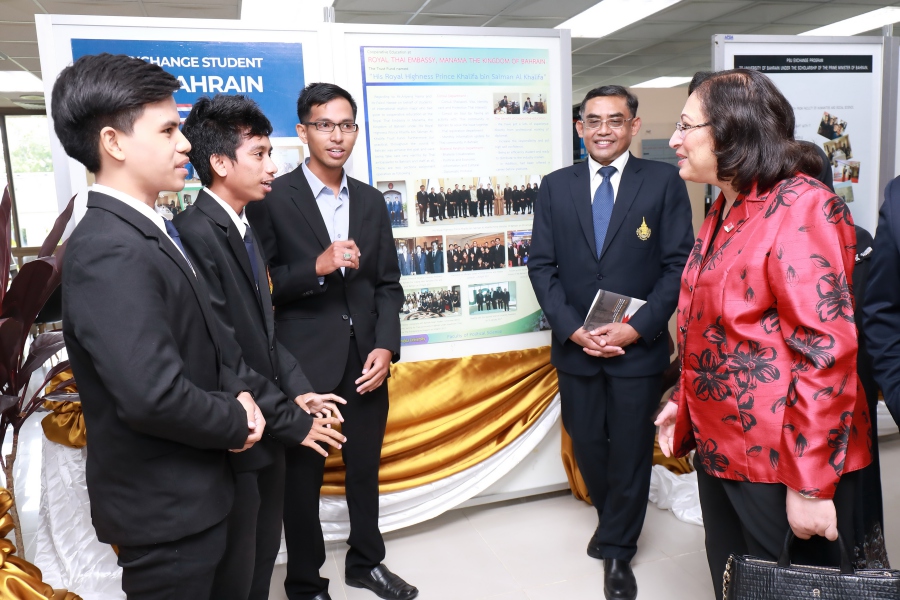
622, 224
881, 311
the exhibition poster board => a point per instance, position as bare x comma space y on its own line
835, 86
269, 66
458, 131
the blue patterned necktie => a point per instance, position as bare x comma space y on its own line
602, 207
173, 234
248, 244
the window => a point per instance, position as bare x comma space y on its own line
32, 177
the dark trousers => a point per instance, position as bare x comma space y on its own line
745, 518
254, 533
365, 418
610, 421
179, 570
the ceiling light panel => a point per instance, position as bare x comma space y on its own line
864, 22
609, 16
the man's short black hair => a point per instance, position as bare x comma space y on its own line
611, 90
219, 125
103, 90
316, 94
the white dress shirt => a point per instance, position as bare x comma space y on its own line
335, 209
156, 218
239, 220
596, 178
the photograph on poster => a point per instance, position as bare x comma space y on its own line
846, 170
428, 255
395, 200
287, 158
475, 252
845, 192
831, 126
430, 302
507, 103
486, 298
405, 248
534, 103
838, 149
188, 195
517, 248
490, 197
167, 205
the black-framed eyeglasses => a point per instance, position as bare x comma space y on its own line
614, 123
683, 129
328, 127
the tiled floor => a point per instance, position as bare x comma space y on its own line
534, 549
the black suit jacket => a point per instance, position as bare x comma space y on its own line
247, 327
881, 307
566, 273
159, 407
313, 320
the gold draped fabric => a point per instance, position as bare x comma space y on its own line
450, 414
19, 579
65, 425
446, 415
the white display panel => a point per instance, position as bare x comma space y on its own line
467, 107
208, 56
835, 88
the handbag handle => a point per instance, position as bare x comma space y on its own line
785, 559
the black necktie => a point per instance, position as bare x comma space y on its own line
173, 234
248, 244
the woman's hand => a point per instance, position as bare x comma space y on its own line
666, 423
811, 516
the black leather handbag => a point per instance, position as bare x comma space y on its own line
750, 578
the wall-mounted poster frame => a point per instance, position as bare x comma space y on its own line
839, 88
209, 56
469, 110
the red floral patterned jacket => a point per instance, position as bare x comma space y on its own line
768, 389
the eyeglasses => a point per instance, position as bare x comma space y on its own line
614, 123
683, 129
328, 127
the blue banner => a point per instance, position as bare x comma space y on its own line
271, 73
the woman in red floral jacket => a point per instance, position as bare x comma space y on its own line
768, 393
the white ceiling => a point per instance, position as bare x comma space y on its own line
674, 42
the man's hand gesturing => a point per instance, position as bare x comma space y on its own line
342, 253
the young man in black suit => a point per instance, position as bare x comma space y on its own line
337, 296
622, 224
161, 407
230, 151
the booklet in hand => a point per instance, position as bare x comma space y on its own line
609, 307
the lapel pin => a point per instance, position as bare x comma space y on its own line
728, 228
643, 232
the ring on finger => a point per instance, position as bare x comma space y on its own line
347, 256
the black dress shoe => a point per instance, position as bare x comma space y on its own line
618, 580
384, 583
322, 596
593, 549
